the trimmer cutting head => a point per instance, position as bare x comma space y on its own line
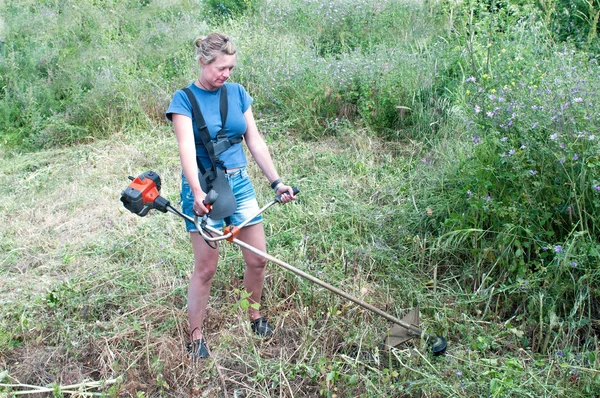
398, 335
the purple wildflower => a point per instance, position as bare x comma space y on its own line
533, 172
558, 249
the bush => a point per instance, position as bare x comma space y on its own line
347, 62
523, 195
229, 8
93, 70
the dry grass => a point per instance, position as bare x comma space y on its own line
96, 293
93, 294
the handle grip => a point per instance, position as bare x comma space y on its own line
210, 199
294, 189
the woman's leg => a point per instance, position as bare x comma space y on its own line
205, 266
254, 274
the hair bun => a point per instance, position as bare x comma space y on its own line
199, 40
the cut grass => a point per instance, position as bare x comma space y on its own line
92, 292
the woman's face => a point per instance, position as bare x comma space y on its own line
217, 72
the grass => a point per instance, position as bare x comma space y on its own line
92, 292
375, 119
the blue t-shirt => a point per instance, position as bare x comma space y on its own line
238, 102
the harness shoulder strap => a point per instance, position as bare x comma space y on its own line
222, 143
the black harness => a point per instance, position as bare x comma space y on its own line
221, 143
214, 178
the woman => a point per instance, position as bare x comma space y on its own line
217, 56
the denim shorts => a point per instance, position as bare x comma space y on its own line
242, 188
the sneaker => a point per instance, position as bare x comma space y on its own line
197, 349
262, 328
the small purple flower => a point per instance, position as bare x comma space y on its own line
534, 125
573, 264
558, 249
597, 187
578, 99
575, 157
477, 109
562, 160
489, 198
554, 136
504, 139
492, 97
458, 373
476, 139
490, 113
469, 192
523, 146
533, 172
511, 152
471, 79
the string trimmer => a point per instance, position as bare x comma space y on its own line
143, 195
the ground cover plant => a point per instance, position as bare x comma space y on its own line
447, 157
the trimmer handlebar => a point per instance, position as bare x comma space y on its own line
143, 195
278, 197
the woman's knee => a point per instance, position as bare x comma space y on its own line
205, 271
256, 263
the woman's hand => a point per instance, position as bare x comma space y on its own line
286, 192
199, 206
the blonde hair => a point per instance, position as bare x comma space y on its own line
208, 48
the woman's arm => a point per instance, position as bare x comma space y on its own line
260, 152
187, 153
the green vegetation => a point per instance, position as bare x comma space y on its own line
447, 156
